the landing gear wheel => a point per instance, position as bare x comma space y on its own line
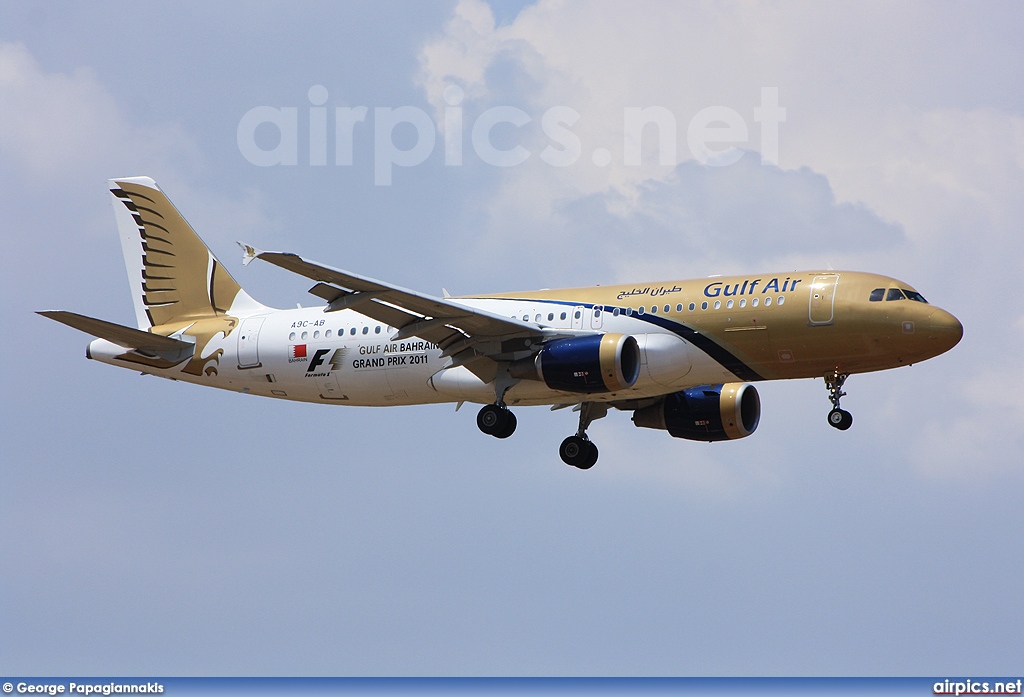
840, 418
591, 458
578, 452
489, 418
508, 425
573, 450
496, 421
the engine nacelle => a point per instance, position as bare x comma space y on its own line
706, 412
593, 363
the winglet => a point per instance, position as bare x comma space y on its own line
249, 253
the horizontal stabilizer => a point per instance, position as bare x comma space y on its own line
127, 337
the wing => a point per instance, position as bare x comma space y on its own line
471, 336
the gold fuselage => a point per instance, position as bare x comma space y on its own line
824, 323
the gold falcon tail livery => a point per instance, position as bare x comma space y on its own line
174, 277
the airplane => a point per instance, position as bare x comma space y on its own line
680, 355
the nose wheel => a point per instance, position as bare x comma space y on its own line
496, 420
578, 450
837, 418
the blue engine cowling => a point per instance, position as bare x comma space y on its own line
705, 412
593, 363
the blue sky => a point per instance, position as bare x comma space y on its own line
151, 527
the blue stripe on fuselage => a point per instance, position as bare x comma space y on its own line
705, 343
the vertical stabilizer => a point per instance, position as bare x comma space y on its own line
174, 277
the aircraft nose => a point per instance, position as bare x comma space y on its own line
945, 329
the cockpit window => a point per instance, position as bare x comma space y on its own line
914, 295
877, 294
895, 294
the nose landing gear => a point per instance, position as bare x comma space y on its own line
837, 418
578, 450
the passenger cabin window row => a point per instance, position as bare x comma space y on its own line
304, 336
879, 294
666, 309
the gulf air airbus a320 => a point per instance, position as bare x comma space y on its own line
680, 355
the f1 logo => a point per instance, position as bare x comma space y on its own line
317, 359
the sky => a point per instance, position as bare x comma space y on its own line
149, 527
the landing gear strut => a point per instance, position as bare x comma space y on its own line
578, 450
837, 418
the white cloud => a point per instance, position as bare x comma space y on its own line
68, 130
68, 125
977, 432
901, 152
921, 160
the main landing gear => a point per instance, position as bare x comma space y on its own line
496, 420
578, 450
837, 418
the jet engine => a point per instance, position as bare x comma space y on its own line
706, 412
593, 363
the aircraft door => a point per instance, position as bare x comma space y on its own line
821, 306
597, 317
577, 317
248, 342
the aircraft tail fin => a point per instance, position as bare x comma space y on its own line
174, 276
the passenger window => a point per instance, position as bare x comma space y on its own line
563, 315
327, 334
743, 302
291, 337
693, 306
366, 330
679, 307
537, 318
615, 312
377, 330
753, 303
782, 299
914, 295
352, 331
718, 304
597, 312
876, 295
641, 310
305, 335
895, 294
728, 304
654, 309
704, 305
667, 309
767, 302
316, 334
629, 312
577, 314
551, 316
